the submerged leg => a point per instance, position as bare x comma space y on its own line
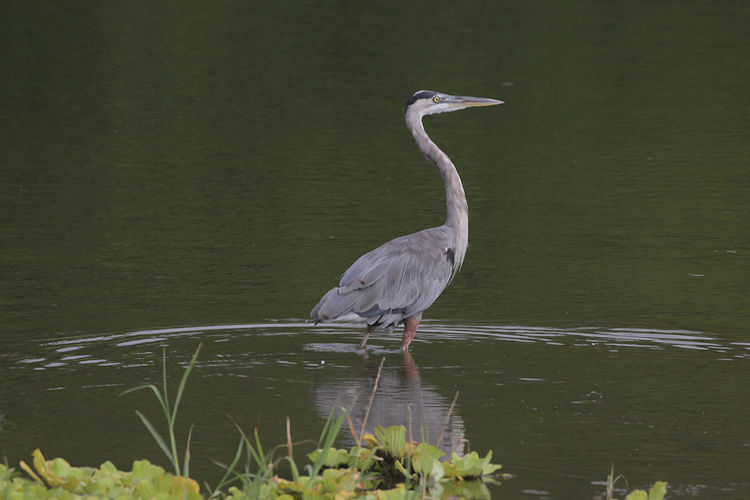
411, 371
410, 330
369, 330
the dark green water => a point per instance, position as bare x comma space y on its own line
174, 173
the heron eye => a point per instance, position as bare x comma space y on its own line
436, 99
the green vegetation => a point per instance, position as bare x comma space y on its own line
384, 466
657, 491
58, 479
170, 413
411, 470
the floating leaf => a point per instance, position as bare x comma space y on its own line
637, 495
426, 462
471, 466
657, 491
334, 458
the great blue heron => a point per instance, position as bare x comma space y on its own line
400, 279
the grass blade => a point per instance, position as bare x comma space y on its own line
353, 430
165, 401
186, 463
157, 437
170, 412
229, 470
153, 388
372, 397
327, 438
183, 380
289, 449
447, 421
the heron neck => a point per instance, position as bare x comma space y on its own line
457, 210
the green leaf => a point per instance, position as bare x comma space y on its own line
426, 461
183, 380
335, 458
229, 470
658, 490
637, 495
157, 437
471, 466
362, 459
392, 439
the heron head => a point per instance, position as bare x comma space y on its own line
429, 102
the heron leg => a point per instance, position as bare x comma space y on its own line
369, 330
411, 371
410, 330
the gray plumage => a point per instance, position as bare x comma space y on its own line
397, 281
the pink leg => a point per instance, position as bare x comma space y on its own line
410, 330
369, 330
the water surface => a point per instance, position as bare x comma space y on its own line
557, 406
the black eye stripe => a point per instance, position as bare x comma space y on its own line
419, 95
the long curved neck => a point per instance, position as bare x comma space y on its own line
457, 210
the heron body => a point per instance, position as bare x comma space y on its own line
397, 281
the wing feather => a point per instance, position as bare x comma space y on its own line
398, 279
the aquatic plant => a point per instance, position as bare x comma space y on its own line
170, 412
389, 460
470, 466
58, 479
656, 492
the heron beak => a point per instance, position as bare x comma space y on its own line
474, 101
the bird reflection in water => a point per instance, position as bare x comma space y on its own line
400, 399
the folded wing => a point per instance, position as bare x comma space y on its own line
395, 281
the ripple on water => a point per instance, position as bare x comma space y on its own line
62, 351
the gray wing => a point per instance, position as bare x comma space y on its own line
395, 281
